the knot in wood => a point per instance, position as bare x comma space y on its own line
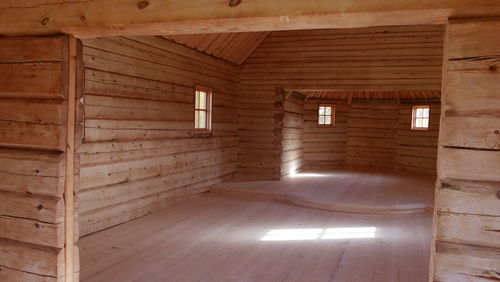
142, 5
45, 21
234, 3
82, 18
492, 68
496, 132
498, 194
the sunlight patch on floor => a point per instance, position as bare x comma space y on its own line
298, 174
319, 233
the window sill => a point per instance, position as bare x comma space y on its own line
202, 134
420, 129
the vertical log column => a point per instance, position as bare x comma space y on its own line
37, 99
71, 221
467, 217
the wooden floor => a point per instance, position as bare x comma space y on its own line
345, 190
216, 238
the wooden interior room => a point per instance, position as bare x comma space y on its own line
248, 140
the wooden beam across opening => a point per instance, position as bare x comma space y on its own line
89, 18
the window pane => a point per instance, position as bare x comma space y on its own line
425, 123
321, 110
419, 122
328, 110
328, 120
426, 112
202, 119
419, 113
203, 100
196, 119
321, 120
197, 101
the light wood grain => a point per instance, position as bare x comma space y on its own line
233, 47
140, 153
467, 211
91, 19
33, 89
373, 62
221, 236
343, 190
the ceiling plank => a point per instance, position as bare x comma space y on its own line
233, 47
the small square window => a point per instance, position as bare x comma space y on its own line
420, 117
326, 115
203, 109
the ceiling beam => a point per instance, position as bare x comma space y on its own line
91, 18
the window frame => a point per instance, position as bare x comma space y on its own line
414, 117
332, 115
208, 116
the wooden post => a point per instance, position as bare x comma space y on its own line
466, 241
69, 187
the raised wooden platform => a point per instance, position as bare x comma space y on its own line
346, 190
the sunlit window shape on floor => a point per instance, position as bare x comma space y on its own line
319, 234
299, 174
349, 233
292, 234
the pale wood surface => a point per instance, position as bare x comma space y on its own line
232, 47
33, 123
371, 134
140, 153
467, 219
213, 238
345, 95
344, 190
92, 18
417, 149
388, 59
292, 140
70, 190
324, 147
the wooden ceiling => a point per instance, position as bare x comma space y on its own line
341, 95
232, 47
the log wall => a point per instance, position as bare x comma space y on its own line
404, 58
260, 118
467, 218
292, 158
417, 149
372, 134
140, 153
325, 147
33, 120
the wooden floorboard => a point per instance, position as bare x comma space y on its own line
216, 238
367, 191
